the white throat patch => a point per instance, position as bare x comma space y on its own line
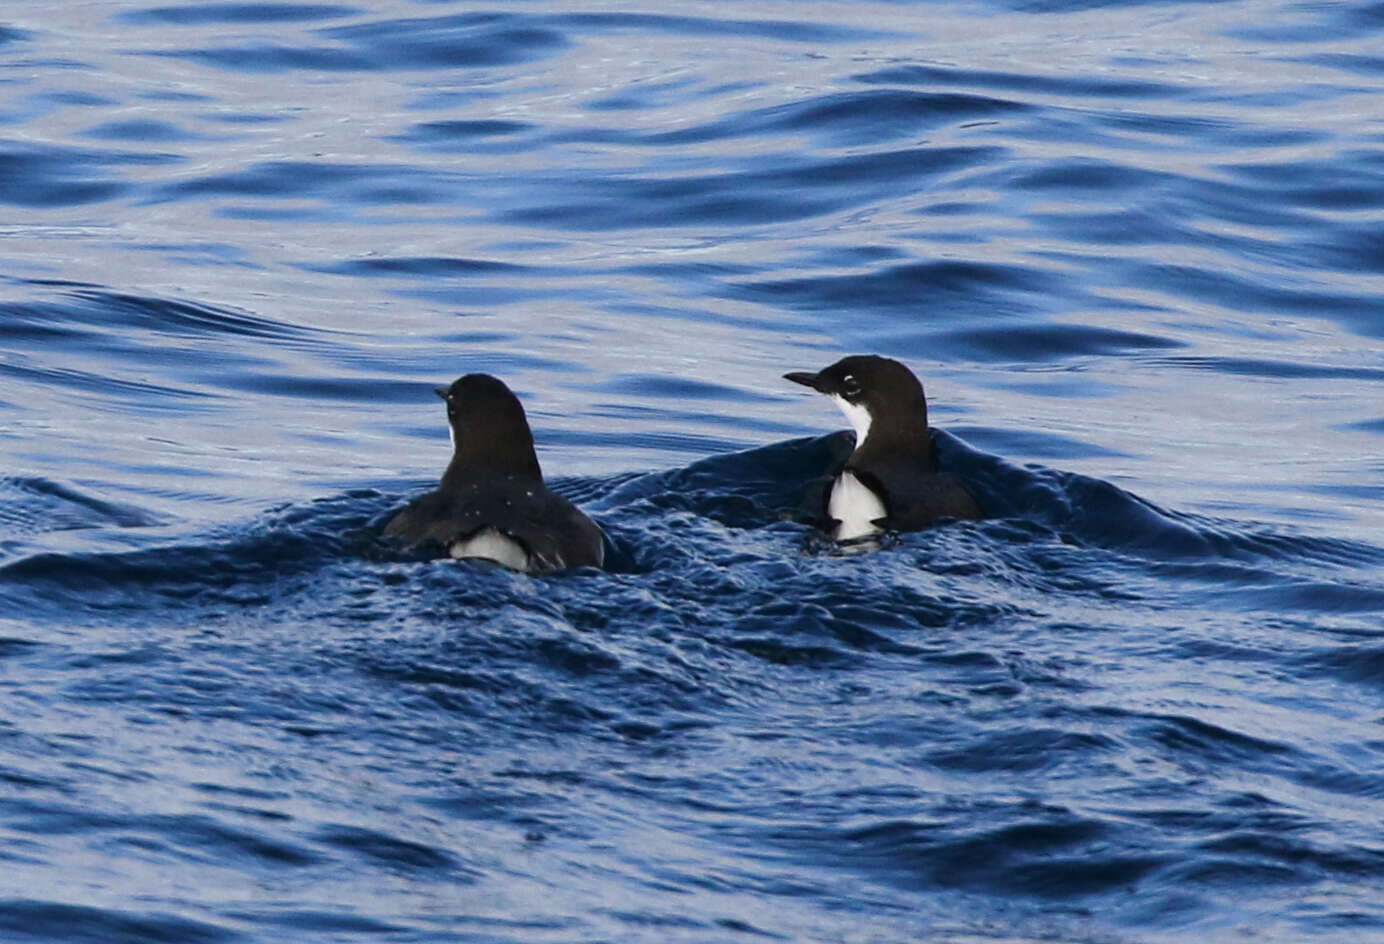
857, 414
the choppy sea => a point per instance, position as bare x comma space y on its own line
1134, 249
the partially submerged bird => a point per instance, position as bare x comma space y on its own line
891, 481
492, 502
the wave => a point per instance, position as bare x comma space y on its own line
735, 522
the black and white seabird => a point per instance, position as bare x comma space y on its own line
891, 481
492, 502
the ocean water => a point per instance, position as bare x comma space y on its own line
1134, 249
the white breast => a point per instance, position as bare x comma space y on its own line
491, 545
854, 505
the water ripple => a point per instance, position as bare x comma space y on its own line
1128, 246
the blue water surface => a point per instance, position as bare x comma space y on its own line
1134, 249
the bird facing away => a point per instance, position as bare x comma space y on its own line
891, 481
491, 502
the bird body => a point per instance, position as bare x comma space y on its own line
492, 503
891, 481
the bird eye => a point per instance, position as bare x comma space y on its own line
850, 389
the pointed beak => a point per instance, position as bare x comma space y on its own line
441, 392
806, 379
